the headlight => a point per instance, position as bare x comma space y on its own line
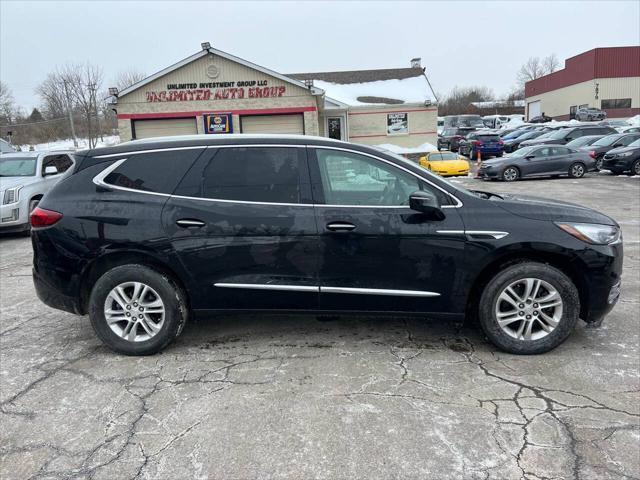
625, 154
592, 232
11, 195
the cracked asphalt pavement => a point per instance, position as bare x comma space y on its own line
274, 396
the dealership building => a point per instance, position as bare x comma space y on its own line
605, 78
214, 92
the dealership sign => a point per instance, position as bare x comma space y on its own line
397, 123
217, 123
188, 92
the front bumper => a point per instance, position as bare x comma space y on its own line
603, 281
617, 163
13, 218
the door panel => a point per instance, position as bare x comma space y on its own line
247, 231
391, 258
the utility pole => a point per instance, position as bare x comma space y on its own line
73, 129
93, 98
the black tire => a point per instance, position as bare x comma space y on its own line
510, 174
577, 170
635, 168
174, 299
490, 297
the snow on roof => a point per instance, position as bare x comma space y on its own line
425, 147
499, 104
382, 92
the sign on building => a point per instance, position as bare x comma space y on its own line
217, 123
397, 123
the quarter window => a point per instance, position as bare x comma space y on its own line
157, 172
252, 174
353, 179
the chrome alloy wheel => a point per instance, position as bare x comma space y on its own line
529, 309
134, 311
577, 170
510, 174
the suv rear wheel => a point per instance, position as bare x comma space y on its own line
136, 310
529, 308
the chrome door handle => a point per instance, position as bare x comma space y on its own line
340, 226
190, 223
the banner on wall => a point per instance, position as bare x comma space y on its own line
397, 123
217, 123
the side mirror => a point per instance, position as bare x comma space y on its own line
425, 202
50, 170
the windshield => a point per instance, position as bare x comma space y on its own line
470, 122
448, 156
580, 142
515, 134
17, 166
606, 141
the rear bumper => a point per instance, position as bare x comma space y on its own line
51, 295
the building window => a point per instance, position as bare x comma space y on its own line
572, 112
616, 103
397, 123
335, 127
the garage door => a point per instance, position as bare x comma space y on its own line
165, 127
533, 110
293, 124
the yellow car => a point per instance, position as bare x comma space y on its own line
446, 164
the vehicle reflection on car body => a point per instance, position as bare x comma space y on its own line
300, 223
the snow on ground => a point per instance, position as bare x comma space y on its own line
67, 144
409, 90
634, 121
425, 147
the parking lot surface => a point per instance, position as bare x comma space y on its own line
275, 396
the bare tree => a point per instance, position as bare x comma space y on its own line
126, 78
7, 104
536, 68
459, 99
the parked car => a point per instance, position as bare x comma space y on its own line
486, 144
451, 137
24, 179
512, 144
145, 235
495, 121
6, 147
446, 164
583, 141
540, 119
565, 135
615, 123
629, 130
463, 121
623, 159
538, 161
590, 114
600, 147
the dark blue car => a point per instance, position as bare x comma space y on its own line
487, 144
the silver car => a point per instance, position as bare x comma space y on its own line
24, 179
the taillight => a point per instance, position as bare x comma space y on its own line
41, 217
592, 154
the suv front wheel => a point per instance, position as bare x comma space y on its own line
529, 308
136, 310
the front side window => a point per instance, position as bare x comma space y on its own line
626, 141
61, 162
351, 179
250, 174
157, 172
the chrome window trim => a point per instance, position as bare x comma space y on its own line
99, 179
319, 289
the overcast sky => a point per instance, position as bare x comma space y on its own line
461, 43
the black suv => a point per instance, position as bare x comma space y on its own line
566, 135
450, 138
599, 148
147, 234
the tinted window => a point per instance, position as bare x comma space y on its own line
625, 141
487, 138
61, 162
153, 172
352, 179
252, 174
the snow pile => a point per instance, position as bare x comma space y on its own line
83, 144
408, 90
425, 147
513, 123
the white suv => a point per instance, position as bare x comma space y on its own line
24, 179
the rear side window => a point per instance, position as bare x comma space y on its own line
157, 172
488, 138
251, 174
